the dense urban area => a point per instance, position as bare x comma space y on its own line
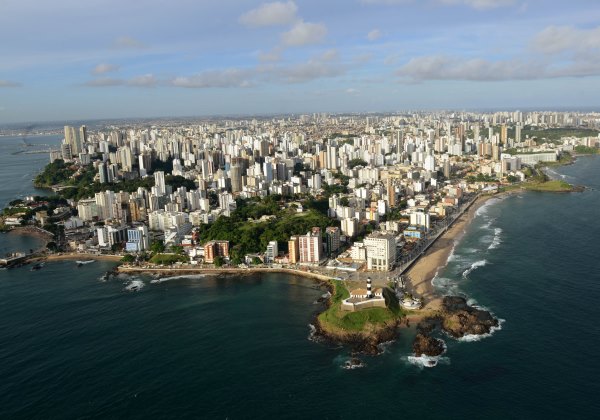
350, 192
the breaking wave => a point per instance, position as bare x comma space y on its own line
135, 286
473, 267
496, 241
184, 276
424, 361
468, 338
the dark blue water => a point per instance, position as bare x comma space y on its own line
72, 346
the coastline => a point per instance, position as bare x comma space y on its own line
221, 271
421, 274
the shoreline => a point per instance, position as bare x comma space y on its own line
422, 273
220, 271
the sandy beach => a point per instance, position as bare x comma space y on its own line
436, 257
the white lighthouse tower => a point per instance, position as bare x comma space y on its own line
369, 288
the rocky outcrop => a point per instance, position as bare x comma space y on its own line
363, 342
457, 319
428, 346
460, 319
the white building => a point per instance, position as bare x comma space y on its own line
381, 252
137, 239
272, 252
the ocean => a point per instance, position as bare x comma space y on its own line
73, 346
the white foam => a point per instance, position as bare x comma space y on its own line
496, 241
427, 361
312, 335
473, 267
184, 276
134, 286
469, 338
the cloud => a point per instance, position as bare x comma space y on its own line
304, 33
322, 66
9, 84
232, 77
481, 4
270, 14
104, 68
352, 91
559, 39
104, 82
127, 42
374, 35
270, 56
145, 80
439, 67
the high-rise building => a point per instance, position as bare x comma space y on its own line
311, 246
159, 183
235, 173
294, 250
332, 235
272, 252
332, 157
503, 134
381, 252
214, 249
391, 192
103, 173
74, 139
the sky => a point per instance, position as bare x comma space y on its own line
73, 59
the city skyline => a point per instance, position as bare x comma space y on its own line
68, 61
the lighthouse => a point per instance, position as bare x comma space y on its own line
369, 289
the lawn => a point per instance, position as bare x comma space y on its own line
337, 319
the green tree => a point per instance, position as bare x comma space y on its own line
177, 249
218, 261
128, 258
157, 247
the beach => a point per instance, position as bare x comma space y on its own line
424, 270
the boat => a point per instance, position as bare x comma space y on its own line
82, 262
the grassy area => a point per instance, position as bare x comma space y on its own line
585, 150
554, 134
334, 318
548, 186
168, 259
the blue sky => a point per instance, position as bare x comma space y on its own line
74, 59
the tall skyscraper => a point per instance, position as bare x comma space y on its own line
75, 138
311, 246
235, 173
159, 183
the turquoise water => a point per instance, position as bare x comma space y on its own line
72, 346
